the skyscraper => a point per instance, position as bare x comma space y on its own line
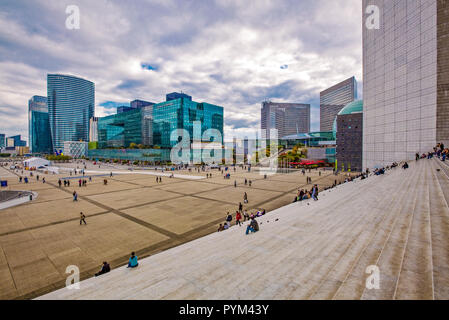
39, 125
71, 103
287, 118
406, 80
333, 99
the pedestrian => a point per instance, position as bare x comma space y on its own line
238, 217
82, 218
235, 183
245, 198
59, 183
240, 206
250, 183
220, 228
75, 196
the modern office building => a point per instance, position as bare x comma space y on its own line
124, 109
120, 130
93, 129
287, 118
137, 104
180, 114
349, 126
16, 141
2, 140
406, 80
333, 99
39, 135
71, 103
177, 95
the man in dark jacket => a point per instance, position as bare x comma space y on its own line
104, 269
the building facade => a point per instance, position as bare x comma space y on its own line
16, 141
406, 80
333, 99
177, 95
2, 140
93, 129
350, 137
137, 104
39, 135
181, 114
71, 103
287, 118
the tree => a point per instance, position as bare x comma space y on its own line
132, 145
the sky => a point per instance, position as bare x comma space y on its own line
232, 53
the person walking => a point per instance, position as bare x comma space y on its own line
59, 183
240, 207
75, 196
315, 192
82, 218
245, 198
238, 217
235, 183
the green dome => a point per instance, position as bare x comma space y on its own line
353, 107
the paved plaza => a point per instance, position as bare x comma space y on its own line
133, 212
381, 238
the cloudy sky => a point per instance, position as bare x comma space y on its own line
233, 53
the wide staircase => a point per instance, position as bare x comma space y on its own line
398, 222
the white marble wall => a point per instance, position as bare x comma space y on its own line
400, 78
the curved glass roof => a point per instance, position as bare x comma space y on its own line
353, 107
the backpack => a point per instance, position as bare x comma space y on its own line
229, 218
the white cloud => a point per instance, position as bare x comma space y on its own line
227, 53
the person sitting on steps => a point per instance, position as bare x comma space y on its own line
104, 269
253, 226
132, 263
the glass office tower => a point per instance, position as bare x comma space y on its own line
71, 103
180, 114
334, 99
120, 130
39, 125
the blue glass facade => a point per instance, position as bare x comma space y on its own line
71, 103
39, 125
177, 95
2, 140
18, 142
137, 104
120, 130
180, 114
